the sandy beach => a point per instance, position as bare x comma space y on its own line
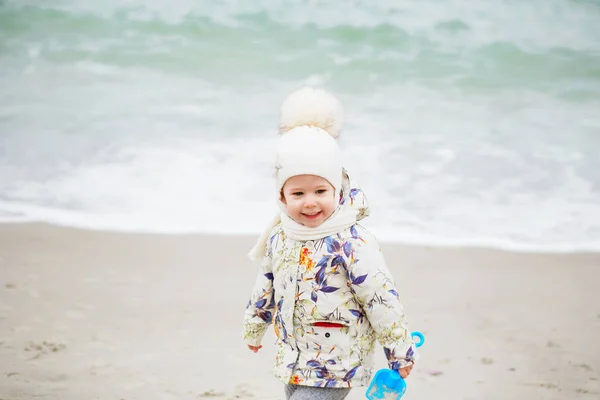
98, 315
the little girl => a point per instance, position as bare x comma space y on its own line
322, 282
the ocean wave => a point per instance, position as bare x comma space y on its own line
203, 45
423, 191
451, 24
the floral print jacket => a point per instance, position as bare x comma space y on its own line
340, 279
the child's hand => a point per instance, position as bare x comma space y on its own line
404, 372
255, 348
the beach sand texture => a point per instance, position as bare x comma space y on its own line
100, 315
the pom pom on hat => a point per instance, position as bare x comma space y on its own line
311, 120
312, 107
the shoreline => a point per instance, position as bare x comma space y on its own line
114, 315
410, 244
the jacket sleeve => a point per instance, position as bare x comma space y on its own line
374, 288
261, 307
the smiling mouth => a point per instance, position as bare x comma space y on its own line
311, 216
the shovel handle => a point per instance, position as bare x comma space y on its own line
419, 335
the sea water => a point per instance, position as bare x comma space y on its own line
468, 123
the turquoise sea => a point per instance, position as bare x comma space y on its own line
468, 123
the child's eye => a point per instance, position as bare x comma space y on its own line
321, 191
298, 193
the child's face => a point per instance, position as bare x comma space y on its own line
309, 199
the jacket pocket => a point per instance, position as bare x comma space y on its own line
325, 352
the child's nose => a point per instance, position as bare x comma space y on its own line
310, 202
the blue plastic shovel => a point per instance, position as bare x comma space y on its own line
387, 383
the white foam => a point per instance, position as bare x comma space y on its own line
195, 186
199, 189
226, 224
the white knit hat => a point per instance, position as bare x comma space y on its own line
311, 120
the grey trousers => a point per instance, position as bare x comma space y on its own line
296, 392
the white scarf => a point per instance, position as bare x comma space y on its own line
345, 215
341, 219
